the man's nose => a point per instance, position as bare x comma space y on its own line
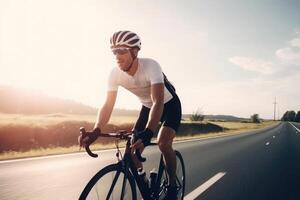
118, 56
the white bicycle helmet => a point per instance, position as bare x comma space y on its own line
125, 38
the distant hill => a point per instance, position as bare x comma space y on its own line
220, 117
24, 101
16, 100
224, 117
124, 112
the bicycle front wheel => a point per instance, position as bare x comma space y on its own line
110, 183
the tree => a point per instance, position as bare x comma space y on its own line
285, 116
297, 118
291, 116
255, 118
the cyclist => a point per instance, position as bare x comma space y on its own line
144, 78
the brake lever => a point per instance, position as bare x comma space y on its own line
139, 156
87, 146
137, 151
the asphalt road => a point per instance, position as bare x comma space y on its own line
256, 165
262, 166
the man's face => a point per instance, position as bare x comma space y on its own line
123, 57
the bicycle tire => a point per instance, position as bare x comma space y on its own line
115, 169
180, 174
180, 178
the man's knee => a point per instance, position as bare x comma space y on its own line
164, 146
165, 139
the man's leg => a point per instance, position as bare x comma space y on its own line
165, 140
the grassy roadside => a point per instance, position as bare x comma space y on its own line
231, 129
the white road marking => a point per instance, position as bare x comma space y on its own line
295, 127
267, 143
199, 190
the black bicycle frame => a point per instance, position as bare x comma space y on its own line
129, 167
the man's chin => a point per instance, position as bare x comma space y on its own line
124, 69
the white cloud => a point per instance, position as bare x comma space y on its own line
282, 81
290, 54
252, 64
295, 42
244, 98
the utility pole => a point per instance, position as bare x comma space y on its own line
275, 109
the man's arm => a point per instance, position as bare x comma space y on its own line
102, 119
105, 112
157, 95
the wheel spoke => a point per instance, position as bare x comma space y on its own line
123, 187
96, 188
113, 184
178, 182
110, 183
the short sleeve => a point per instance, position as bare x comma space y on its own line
113, 81
155, 73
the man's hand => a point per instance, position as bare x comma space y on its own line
89, 138
141, 139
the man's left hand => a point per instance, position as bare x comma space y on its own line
141, 139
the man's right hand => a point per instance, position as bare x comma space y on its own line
89, 138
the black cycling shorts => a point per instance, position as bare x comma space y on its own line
171, 116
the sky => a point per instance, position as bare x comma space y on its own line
230, 57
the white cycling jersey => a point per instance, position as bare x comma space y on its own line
148, 73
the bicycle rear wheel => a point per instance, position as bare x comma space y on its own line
180, 179
180, 176
110, 183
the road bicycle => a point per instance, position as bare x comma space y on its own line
119, 180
